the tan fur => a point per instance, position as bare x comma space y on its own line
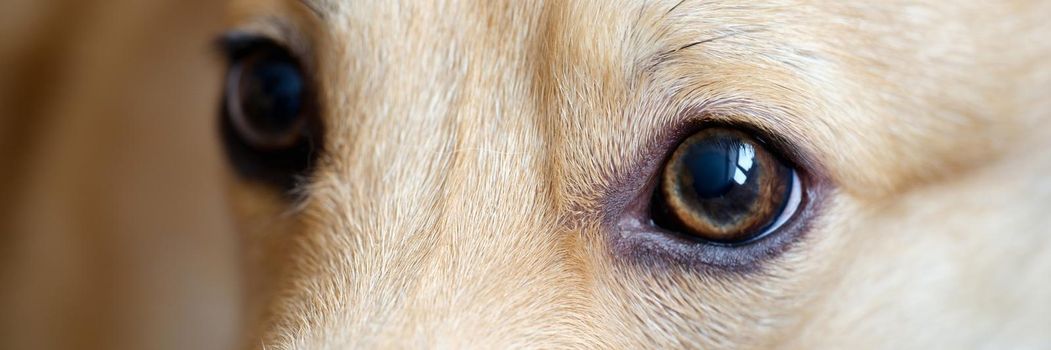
458, 203
460, 197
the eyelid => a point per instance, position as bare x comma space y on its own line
770, 124
273, 30
235, 45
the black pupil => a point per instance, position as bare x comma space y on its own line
717, 167
273, 95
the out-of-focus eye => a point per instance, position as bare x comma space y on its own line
265, 96
722, 186
268, 122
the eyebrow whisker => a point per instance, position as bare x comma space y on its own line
674, 7
664, 56
695, 43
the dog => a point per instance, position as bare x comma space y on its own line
475, 171
639, 174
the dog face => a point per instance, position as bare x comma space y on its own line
529, 174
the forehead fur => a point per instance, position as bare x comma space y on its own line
472, 146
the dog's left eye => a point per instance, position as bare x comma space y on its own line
722, 186
269, 124
265, 93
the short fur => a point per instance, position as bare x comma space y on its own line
462, 199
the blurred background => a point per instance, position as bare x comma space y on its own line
112, 223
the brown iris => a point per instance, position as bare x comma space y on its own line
722, 185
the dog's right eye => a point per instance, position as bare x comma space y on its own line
724, 197
722, 186
267, 120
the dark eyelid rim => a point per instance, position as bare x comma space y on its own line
235, 45
284, 32
753, 121
641, 243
